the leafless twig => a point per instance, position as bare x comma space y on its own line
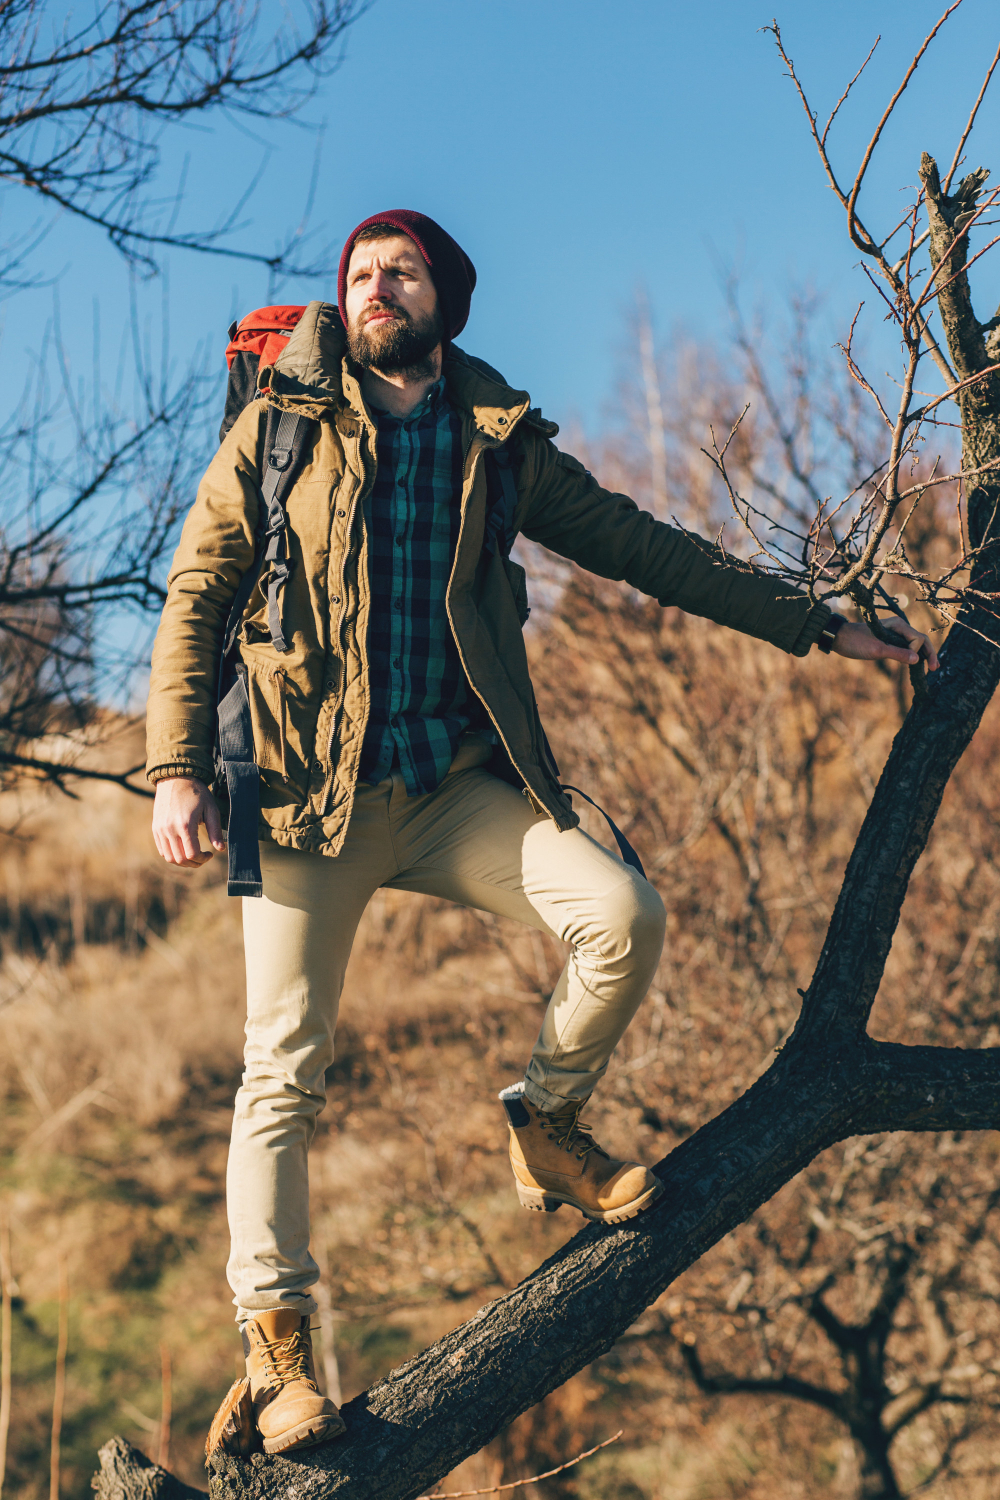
494, 1489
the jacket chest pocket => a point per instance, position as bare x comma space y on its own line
317, 512
337, 520
284, 726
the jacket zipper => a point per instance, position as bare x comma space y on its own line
357, 497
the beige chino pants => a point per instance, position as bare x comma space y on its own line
474, 840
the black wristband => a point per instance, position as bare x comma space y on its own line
829, 633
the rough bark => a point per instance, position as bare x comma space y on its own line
127, 1474
830, 1081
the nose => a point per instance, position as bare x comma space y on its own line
379, 287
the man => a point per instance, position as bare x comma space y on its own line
399, 744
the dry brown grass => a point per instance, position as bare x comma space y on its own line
742, 777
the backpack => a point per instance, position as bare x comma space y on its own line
258, 338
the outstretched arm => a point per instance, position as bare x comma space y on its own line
566, 510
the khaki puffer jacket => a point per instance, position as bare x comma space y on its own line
310, 706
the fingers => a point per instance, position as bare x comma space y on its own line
179, 846
213, 824
187, 835
182, 805
856, 641
920, 645
885, 652
925, 648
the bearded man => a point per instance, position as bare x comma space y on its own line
398, 742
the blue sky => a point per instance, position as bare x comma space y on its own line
576, 150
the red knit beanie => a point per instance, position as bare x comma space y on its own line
452, 271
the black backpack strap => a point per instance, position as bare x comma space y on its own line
625, 849
279, 460
284, 442
243, 783
501, 528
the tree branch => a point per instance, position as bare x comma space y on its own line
57, 772
727, 1384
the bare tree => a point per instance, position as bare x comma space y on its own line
867, 1292
96, 482
85, 99
847, 546
95, 491
830, 1080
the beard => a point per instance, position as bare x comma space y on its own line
402, 347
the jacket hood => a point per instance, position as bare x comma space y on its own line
314, 376
308, 372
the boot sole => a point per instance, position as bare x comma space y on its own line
306, 1435
540, 1201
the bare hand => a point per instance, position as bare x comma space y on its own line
856, 641
182, 804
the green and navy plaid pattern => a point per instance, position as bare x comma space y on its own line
421, 700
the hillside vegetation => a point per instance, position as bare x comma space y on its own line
741, 776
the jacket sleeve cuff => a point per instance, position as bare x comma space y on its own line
810, 632
156, 774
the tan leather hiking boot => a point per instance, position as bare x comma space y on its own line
556, 1160
287, 1405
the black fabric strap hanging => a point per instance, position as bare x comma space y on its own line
625, 849
236, 751
276, 559
501, 531
242, 783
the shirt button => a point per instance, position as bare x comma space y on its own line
399, 541
342, 513
397, 603
335, 599
317, 765
397, 662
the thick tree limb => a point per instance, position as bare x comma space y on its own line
127, 1474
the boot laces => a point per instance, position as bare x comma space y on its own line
288, 1359
572, 1132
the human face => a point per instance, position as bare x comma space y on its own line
393, 321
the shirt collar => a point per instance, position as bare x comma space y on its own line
434, 401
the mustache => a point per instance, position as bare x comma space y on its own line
378, 308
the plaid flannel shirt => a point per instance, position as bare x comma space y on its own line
421, 701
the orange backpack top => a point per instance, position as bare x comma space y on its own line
255, 340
